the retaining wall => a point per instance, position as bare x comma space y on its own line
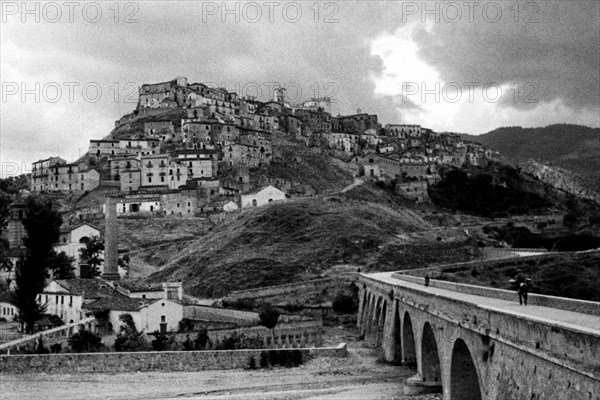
293, 335
292, 288
147, 361
198, 312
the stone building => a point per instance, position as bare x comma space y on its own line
415, 190
101, 148
314, 121
40, 173
164, 94
159, 128
149, 315
358, 123
403, 131
181, 203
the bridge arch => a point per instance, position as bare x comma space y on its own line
409, 353
368, 314
430, 358
381, 323
464, 379
396, 343
363, 311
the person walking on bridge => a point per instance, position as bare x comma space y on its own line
523, 285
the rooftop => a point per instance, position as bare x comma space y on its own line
91, 288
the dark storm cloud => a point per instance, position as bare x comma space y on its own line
560, 53
170, 39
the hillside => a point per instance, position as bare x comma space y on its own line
573, 275
574, 147
296, 240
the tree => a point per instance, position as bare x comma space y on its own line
85, 341
269, 317
129, 339
201, 340
42, 227
5, 201
345, 303
91, 255
61, 265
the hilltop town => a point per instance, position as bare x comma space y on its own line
190, 149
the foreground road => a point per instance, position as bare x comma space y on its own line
358, 377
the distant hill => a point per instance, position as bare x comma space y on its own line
573, 147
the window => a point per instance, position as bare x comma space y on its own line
70, 301
62, 299
254, 203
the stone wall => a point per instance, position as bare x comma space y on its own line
285, 335
51, 336
198, 312
147, 361
292, 288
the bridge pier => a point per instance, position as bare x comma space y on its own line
416, 385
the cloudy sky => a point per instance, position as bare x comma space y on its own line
69, 70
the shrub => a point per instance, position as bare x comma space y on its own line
273, 357
85, 341
345, 303
264, 359
268, 316
252, 363
129, 339
160, 342
297, 357
201, 340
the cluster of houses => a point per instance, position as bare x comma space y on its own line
152, 308
199, 158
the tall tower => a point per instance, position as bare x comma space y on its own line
111, 257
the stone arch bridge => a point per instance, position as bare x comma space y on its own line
476, 343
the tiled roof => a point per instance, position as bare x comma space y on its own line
119, 304
89, 288
7, 297
133, 287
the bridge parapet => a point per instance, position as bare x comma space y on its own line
563, 303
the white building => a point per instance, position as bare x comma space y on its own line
149, 315
74, 238
260, 197
67, 297
8, 309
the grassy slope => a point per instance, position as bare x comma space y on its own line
296, 162
566, 275
288, 241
